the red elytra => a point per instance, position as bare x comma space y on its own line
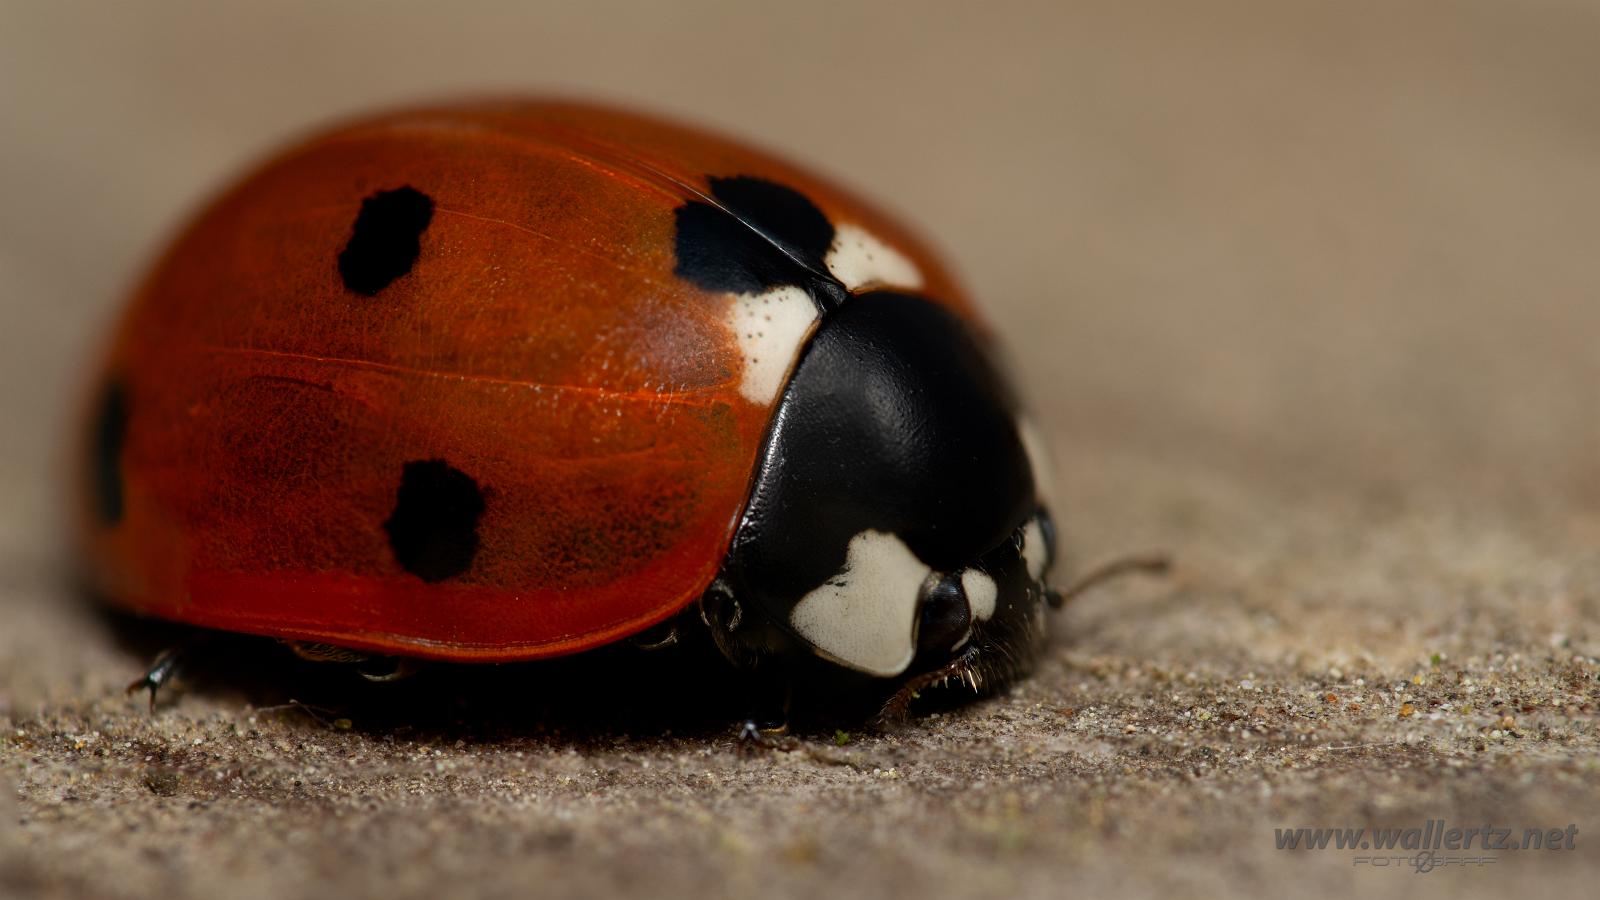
256, 416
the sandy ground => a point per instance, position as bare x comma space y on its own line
1305, 295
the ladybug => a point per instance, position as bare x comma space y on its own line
504, 381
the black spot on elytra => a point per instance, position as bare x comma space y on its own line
110, 433
385, 240
434, 527
774, 236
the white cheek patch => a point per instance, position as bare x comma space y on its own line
771, 327
981, 594
1035, 553
865, 616
1044, 471
859, 259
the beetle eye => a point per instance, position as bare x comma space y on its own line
946, 618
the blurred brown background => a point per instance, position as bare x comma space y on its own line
1304, 292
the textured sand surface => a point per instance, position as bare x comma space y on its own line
1306, 294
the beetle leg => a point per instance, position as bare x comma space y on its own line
658, 637
315, 652
372, 668
164, 669
388, 668
767, 728
755, 738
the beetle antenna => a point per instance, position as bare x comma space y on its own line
1146, 564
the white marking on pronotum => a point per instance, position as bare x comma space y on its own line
858, 259
981, 594
1044, 470
865, 616
771, 327
1034, 551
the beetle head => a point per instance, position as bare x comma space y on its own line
894, 529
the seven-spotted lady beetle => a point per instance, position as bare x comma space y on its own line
512, 380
